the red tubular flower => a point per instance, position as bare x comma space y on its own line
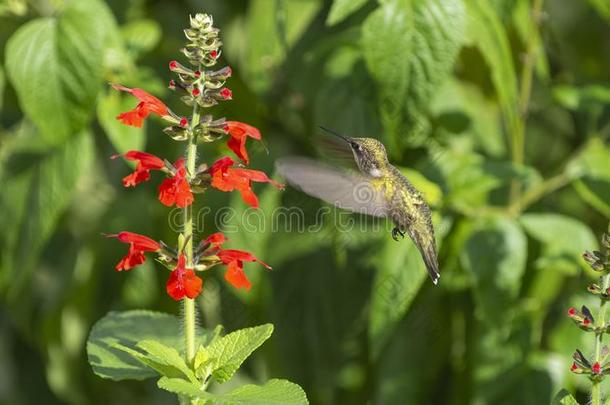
234, 259
176, 190
596, 368
239, 134
183, 282
215, 240
149, 104
138, 244
226, 178
146, 163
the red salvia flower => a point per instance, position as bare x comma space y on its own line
596, 368
571, 311
138, 244
574, 367
215, 240
149, 104
176, 190
226, 178
146, 163
234, 259
239, 134
183, 282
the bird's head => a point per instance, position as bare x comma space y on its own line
369, 153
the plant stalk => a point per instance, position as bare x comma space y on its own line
525, 90
189, 304
596, 389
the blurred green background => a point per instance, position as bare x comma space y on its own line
473, 98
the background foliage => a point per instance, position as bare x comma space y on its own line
444, 84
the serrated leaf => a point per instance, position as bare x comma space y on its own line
410, 47
274, 392
123, 137
492, 41
55, 66
341, 9
563, 397
166, 355
128, 328
231, 350
181, 386
158, 365
37, 188
495, 255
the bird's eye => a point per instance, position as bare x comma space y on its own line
357, 146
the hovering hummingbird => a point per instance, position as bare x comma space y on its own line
377, 189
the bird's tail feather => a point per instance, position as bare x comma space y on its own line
427, 248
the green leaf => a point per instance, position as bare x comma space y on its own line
55, 66
400, 273
123, 137
602, 7
490, 37
563, 397
127, 329
231, 350
592, 166
274, 392
160, 365
141, 36
495, 256
564, 240
37, 188
2, 82
341, 9
410, 48
477, 115
181, 386
272, 28
166, 355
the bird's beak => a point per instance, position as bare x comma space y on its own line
335, 133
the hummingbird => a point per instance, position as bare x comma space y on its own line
376, 188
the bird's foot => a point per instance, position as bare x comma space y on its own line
396, 232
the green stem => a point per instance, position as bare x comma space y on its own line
525, 90
539, 191
596, 389
189, 304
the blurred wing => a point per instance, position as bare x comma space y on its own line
344, 190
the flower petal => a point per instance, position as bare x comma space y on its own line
149, 104
140, 242
235, 275
183, 282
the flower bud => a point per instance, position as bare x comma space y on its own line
596, 368
224, 94
177, 133
595, 259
